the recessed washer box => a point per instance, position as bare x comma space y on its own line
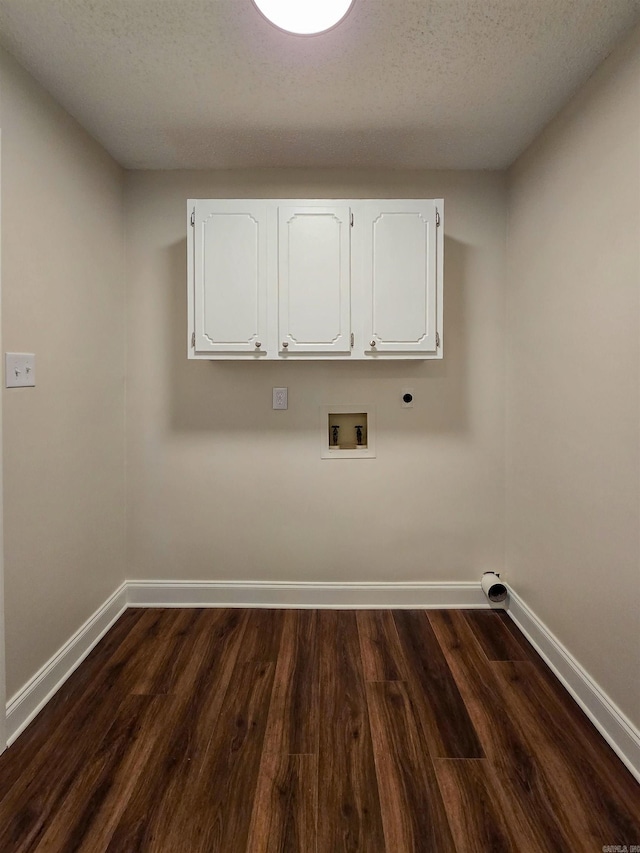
347, 432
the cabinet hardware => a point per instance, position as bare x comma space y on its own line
352, 220
437, 218
193, 340
258, 344
437, 339
284, 345
352, 339
193, 216
373, 344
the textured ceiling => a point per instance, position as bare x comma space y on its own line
170, 84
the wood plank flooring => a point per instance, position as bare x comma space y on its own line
273, 731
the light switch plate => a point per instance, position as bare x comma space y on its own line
20, 369
280, 400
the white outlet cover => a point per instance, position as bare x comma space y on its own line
280, 398
20, 369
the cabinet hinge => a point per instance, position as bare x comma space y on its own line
437, 339
437, 218
193, 216
352, 339
352, 220
193, 340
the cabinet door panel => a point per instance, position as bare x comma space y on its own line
314, 279
230, 277
400, 276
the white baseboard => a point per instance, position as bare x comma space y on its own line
35, 694
616, 729
337, 596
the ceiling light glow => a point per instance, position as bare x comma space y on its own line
304, 17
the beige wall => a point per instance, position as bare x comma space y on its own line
573, 461
222, 487
63, 298
3, 696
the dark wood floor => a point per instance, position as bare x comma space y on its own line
313, 731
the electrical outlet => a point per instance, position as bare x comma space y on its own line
280, 400
20, 369
407, 398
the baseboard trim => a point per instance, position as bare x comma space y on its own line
337, 596
616, 729
35, 694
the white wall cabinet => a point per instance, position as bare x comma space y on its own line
315, 279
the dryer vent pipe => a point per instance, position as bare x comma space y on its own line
493, 587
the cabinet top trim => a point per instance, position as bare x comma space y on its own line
319, 202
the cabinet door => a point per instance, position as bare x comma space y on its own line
399, 266
230, 266
314, 275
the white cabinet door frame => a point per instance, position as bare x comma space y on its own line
230, 277
399, 269
314, 279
